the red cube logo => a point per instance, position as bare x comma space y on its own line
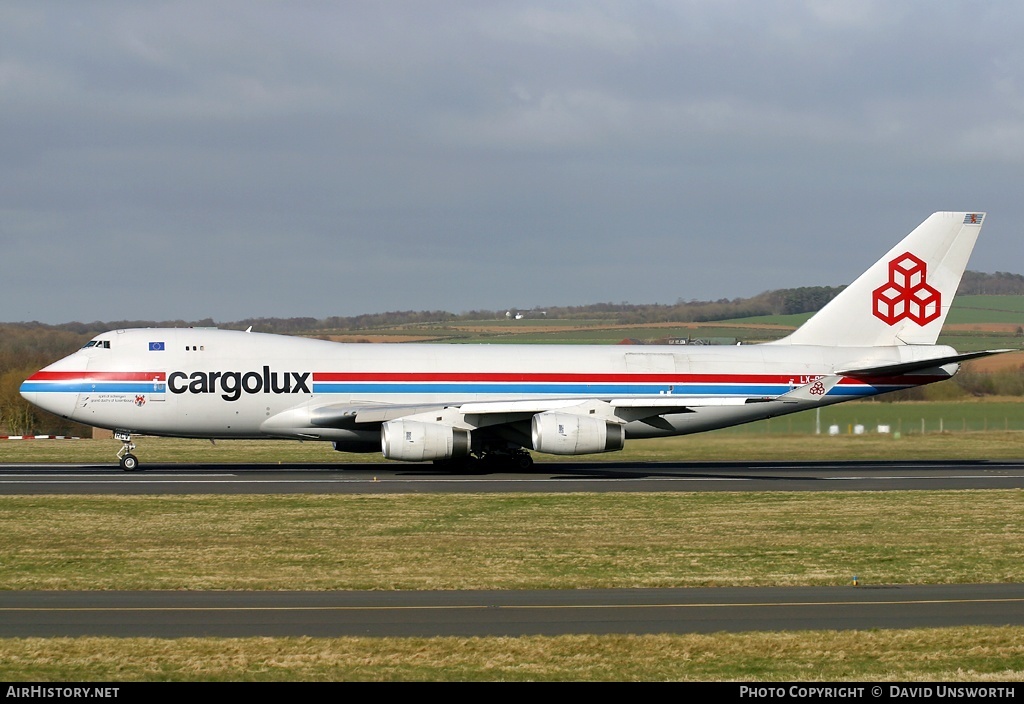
906, 294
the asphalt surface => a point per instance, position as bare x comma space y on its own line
166, 614
507, 613
543, 477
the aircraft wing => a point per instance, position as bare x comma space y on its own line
309, 418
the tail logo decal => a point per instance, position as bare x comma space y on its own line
906, 294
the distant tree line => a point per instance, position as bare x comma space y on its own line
998, 284
24, 349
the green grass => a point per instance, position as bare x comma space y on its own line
905, 418
516, 541
792, 320
510, 541
764, 441
952, 655
964, 428
987, 309
966, 310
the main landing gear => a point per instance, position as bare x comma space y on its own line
129, 462
517, 459
493, 460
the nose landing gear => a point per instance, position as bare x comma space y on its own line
129, 462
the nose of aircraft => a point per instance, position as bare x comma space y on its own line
49, 393
27, 394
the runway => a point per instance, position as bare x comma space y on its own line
559, 477
507, 613
504, 613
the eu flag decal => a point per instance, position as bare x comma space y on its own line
156, 347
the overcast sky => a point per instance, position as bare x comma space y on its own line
183, 160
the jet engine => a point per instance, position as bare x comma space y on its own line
414, 441
568, 434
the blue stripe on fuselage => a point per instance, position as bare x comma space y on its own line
90, 387
602, 390
463, 389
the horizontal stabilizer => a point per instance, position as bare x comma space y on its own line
918, 364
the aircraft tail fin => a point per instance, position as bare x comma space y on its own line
904, 297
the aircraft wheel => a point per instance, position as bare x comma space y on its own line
522, 460
129, 462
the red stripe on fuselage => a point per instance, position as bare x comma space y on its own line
98, 376
560, 377
903, 380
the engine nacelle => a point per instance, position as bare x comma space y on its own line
414, 441
568, 434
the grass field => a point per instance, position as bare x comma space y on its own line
904, 418
510, 541
972, 310
767, 440
953, 655
516, 541
974, 323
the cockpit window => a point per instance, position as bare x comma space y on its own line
99, 344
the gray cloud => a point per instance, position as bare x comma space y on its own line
234, 159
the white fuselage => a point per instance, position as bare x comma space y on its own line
453, 402
209, 383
